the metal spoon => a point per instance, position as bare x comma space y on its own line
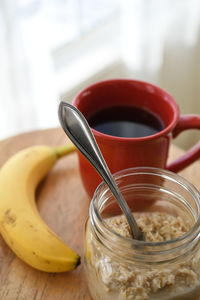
77, 129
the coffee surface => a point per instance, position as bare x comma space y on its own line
126, 121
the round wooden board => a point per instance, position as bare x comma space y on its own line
63, 205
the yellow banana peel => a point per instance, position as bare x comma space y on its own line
20, 223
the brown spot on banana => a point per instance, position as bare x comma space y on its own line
9, 217
47, 261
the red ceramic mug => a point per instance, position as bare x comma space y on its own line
121, 152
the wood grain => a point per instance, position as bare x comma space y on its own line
63, 205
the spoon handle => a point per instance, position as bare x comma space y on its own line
79, 132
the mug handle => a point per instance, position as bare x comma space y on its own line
186, 122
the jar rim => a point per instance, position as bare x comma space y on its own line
189, 235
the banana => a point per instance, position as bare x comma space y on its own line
20, 223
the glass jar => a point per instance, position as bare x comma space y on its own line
119, 267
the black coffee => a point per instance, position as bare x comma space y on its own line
126, 121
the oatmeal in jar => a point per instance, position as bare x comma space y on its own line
166, 266
123, 281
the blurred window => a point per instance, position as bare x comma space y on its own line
51, 47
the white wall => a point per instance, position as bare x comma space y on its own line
161, 44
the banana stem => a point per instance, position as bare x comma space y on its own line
64, 150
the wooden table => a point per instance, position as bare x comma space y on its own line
63, 204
